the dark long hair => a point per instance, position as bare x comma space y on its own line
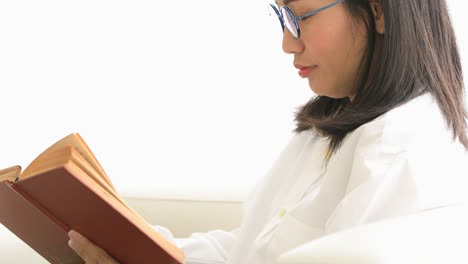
418, 54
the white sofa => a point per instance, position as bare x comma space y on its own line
434, 236
438, 236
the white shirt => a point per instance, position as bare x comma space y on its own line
402, 162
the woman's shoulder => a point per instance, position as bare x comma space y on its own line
412, 141
418, 121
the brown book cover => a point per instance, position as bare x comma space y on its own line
66, 188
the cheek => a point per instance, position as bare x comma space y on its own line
329, 45
319, 43
337, 48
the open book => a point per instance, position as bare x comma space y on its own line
66, 188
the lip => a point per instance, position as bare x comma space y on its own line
304, 71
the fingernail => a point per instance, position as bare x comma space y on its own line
70, 243
73, 235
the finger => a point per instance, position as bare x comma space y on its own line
87, 250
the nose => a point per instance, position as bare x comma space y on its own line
290, 44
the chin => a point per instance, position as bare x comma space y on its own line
326, 91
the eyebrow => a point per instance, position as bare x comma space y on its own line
285, 2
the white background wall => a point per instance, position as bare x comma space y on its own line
176, 98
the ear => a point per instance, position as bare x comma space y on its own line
377, 10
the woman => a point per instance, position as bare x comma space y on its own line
386, 135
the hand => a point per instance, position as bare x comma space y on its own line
88, 251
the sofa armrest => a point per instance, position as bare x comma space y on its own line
183, 217
433, 236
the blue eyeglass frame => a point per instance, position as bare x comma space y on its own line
298, 18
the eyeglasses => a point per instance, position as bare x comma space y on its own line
288, 19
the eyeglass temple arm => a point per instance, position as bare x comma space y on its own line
320, 9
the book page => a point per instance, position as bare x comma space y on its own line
79, 144
60, 155
10, 174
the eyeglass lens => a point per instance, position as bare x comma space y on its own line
289, 21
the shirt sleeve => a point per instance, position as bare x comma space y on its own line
203, 248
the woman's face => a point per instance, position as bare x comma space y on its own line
330, 48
